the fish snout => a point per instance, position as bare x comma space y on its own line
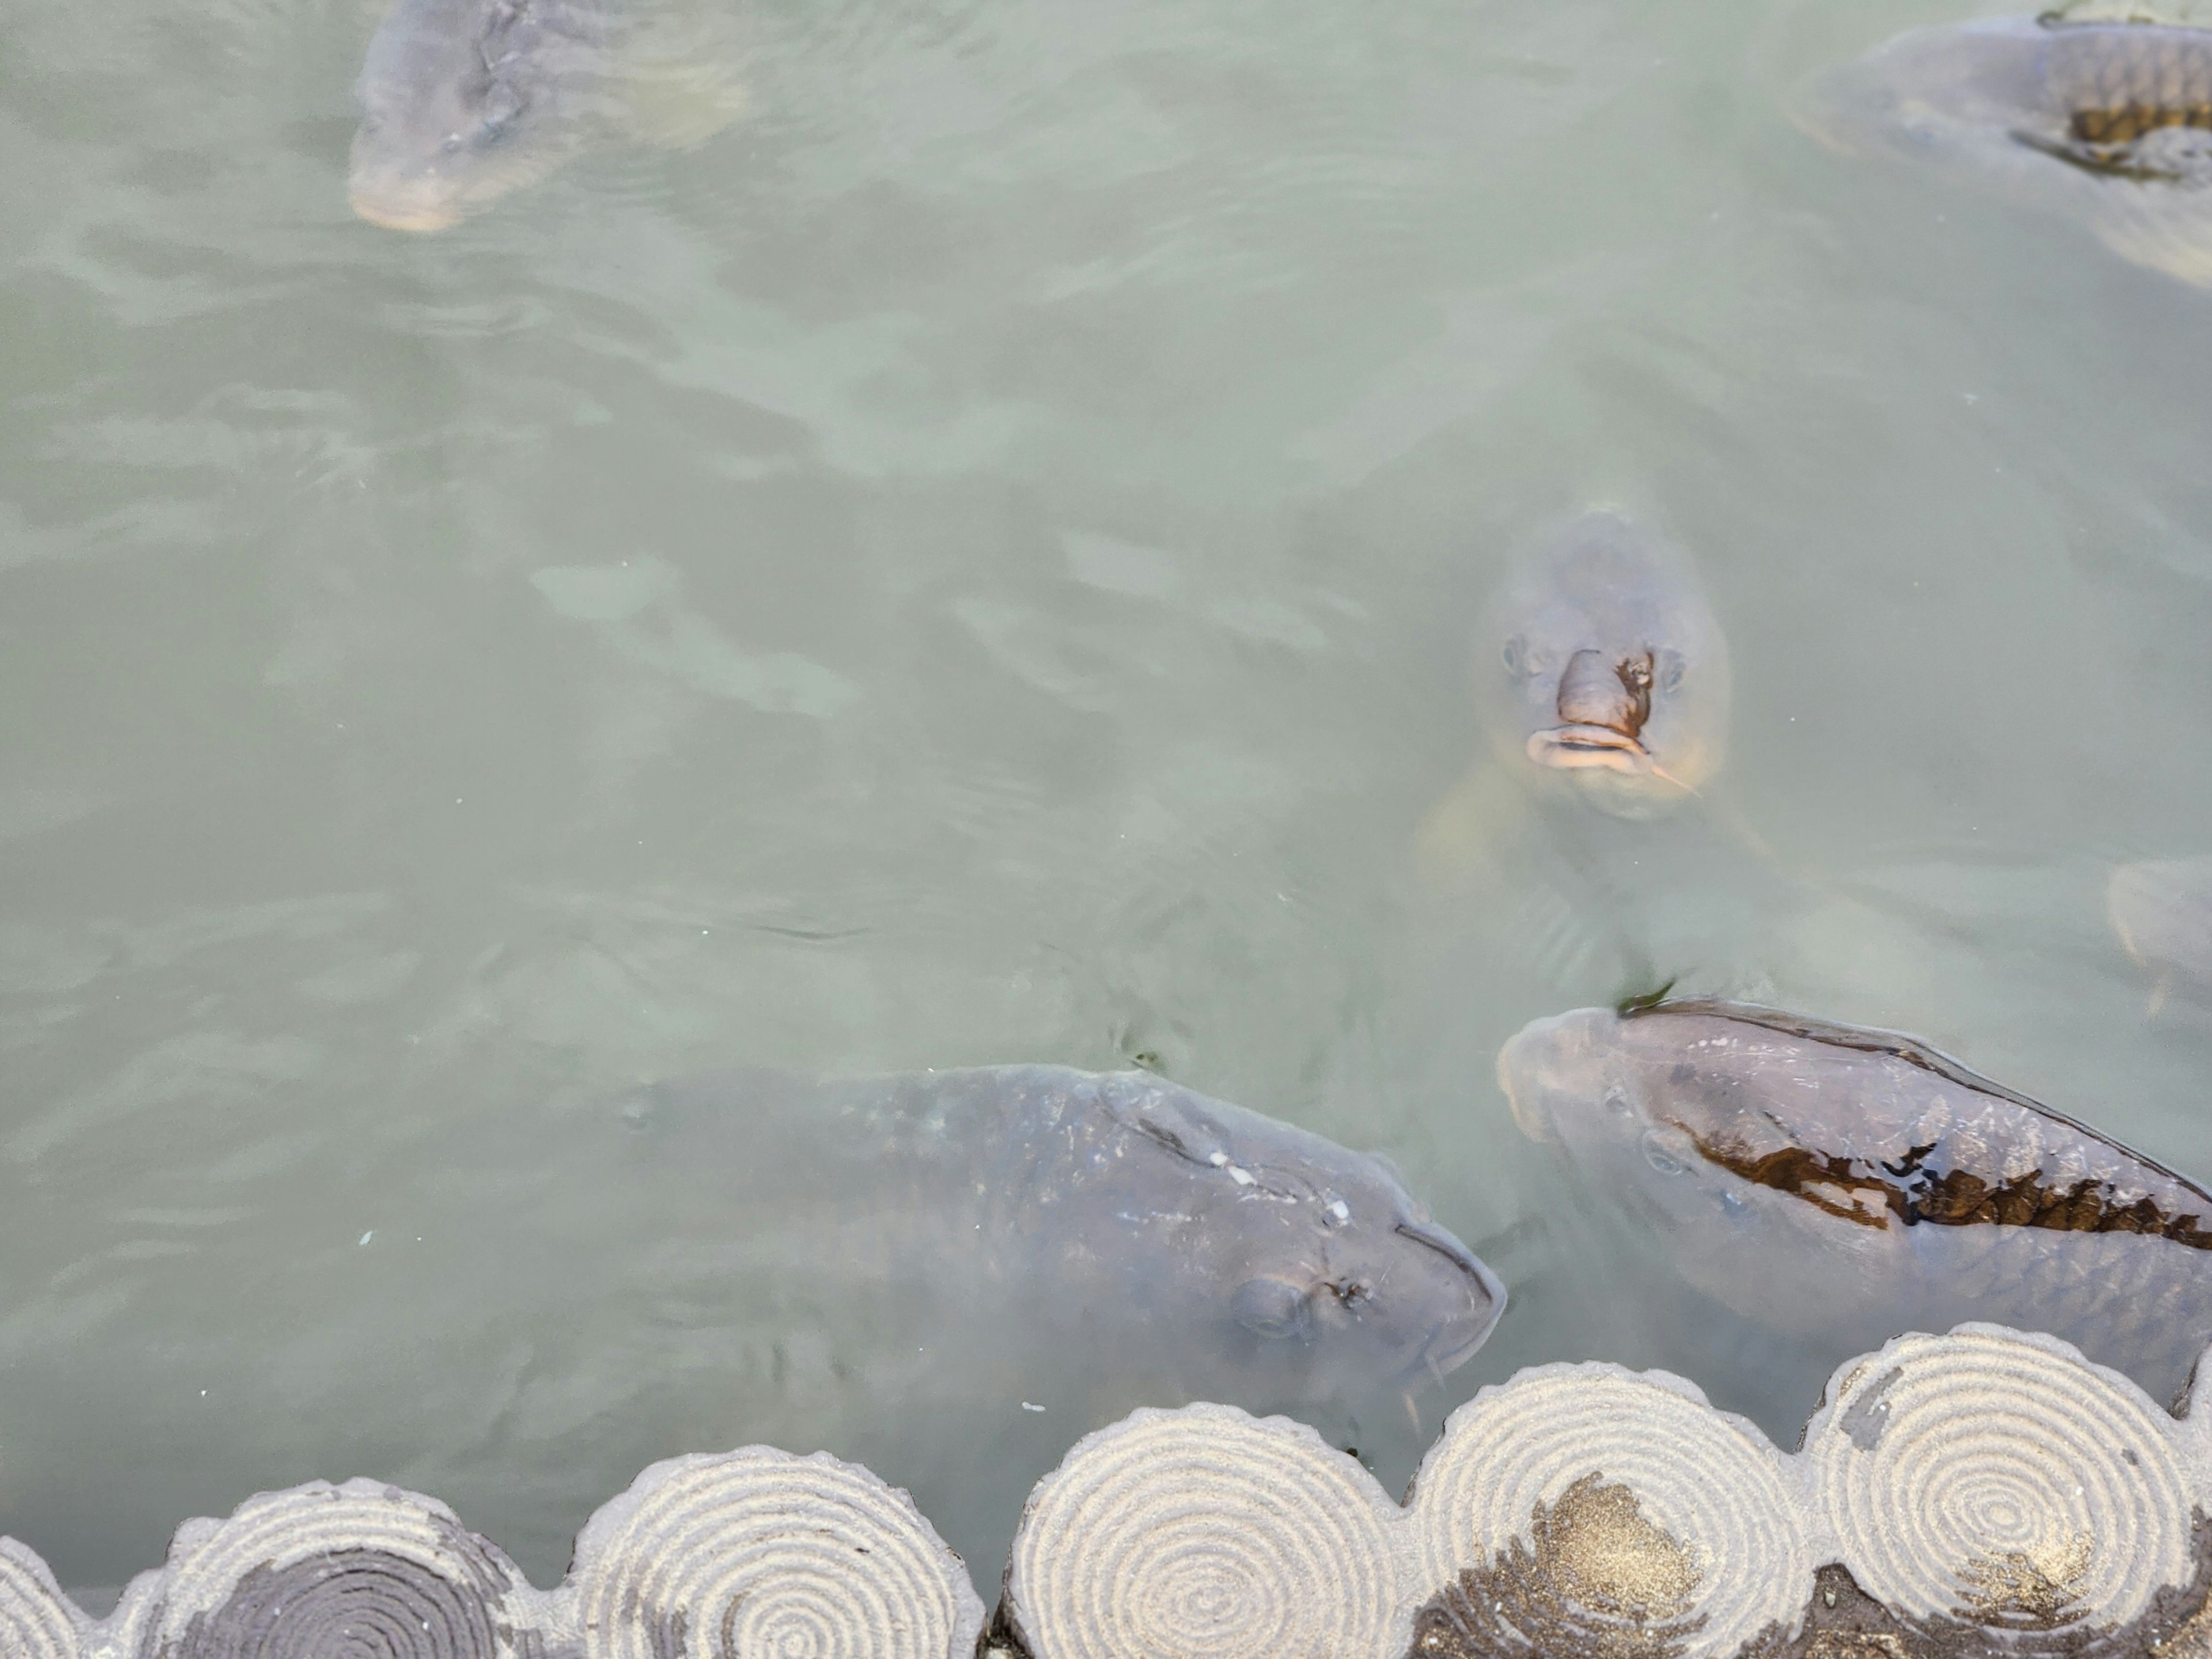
1515, 1080
1459, 1336
1602, 706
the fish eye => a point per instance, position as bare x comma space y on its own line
1673, 677
1271, 1307
1616, 1100
1514, 655
1656, 1154
501, 105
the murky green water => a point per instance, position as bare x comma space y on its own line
975, 564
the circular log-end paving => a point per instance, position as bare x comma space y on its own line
761, 1553
1999, 1480
36, 1621
359, 1571
1586, 1509
1982, 1495
1205, 1534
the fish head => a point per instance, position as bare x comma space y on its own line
1602, 666
1310, 1268
1616, 1097
462, 101
1956, 92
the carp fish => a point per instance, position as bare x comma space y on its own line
1846, 1184
1607, 669
948, 1276
2107, 122
1258, 1256
1600, 676
464, 100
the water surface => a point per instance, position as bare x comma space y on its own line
975, 563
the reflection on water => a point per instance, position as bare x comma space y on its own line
977, 563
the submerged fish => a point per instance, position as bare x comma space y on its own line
1604, 666
464, 100
1601, 676
2162, 911
946, 1275
2109, 122
1242, 1250
1848, 1184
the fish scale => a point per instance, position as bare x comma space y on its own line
2121, 81
2103, 123
1848, 1184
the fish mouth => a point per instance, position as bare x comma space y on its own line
418, 213
1578, 747
1456, 1345
1531, 1122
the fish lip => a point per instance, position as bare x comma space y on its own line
1447, 1354
1577, 747
390, 215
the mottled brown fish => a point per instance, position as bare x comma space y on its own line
2105, 122
1850, 1184
2161, 908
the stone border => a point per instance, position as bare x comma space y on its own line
1984, 1492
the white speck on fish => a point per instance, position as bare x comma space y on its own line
1241, 1178
1341, 1210
1217, 1159
370, 1234
1028, 1408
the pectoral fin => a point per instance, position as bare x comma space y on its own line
2164, 226
1460, 838
681, 84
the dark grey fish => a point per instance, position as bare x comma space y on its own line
1179, 1232
2107, 122
1850, 1184
947, 1275
1600, 665
464, 100
2161, 908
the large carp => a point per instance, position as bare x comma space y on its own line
947, 1275
464, 100
2105, 122
1848, 1184
1178, 1234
